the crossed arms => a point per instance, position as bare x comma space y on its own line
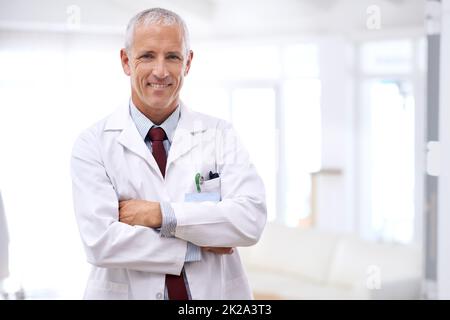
148, 214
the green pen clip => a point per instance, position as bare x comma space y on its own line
198, 181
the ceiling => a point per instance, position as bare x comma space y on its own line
212, 18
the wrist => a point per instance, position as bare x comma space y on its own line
158, 215
153, 216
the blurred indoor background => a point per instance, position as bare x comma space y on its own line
347, 99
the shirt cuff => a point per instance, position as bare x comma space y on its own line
169, 220
193, 253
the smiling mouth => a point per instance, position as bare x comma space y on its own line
158, 85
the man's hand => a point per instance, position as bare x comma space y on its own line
218, 250
140, 212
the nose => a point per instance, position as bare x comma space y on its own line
160, 69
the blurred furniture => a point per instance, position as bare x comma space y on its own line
294, 263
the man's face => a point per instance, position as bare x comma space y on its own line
157, 64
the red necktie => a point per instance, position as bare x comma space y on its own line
175, 284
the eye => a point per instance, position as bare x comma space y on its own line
146, 56
173, 57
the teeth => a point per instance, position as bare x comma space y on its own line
158, 86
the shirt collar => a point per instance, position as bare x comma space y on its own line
144, 124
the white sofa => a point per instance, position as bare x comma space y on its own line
294, 263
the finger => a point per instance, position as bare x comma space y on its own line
227, 250
219, 250
123, 217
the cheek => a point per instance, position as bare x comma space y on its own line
138, 78
177, 72
180, 81
140, 72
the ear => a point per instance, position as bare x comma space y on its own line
125, 62
188, 62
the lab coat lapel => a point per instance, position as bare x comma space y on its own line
130, 137
187, 135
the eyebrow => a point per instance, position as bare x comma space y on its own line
151, 51
174, 52
144, 52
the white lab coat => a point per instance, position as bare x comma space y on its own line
110, 162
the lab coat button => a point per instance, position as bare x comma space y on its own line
159, 296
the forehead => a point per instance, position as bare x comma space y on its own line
156, 36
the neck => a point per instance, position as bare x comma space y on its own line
156, 115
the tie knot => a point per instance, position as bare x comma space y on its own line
157, 134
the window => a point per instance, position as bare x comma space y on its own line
387, 57
253, 115
387, 152
392, 151
271, 93
302, 144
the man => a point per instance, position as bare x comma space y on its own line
163, 194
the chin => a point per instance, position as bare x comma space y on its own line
159, 105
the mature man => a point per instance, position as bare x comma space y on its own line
163, 194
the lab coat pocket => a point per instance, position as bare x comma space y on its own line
106, 290
212, 185
202, 196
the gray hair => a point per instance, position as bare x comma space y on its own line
156, 16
